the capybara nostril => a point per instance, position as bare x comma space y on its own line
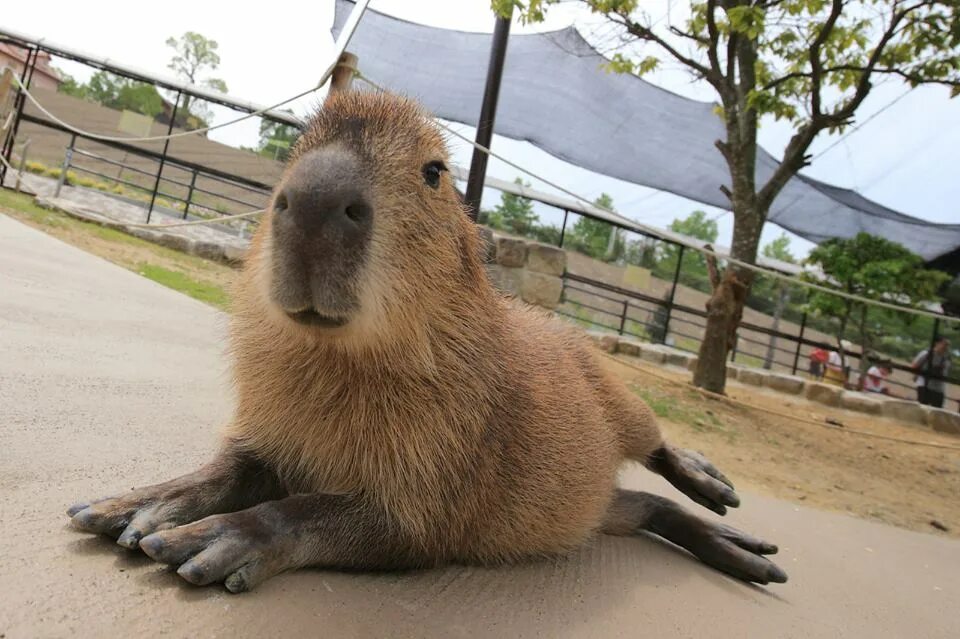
324, 195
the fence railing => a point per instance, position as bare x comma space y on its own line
626, 312
192, 189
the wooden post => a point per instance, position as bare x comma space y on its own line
342, 77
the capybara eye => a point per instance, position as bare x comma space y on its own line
280, 204
431, 173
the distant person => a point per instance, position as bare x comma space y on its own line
835, 372
818, 358
930, 392
876, 379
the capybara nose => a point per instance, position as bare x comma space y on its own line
324, 195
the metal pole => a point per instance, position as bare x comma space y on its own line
563, 229
673, 291
623, 317
796, 356
25, 78
23, 164
67, 158
193, 182
929, 364
163, 156
488, 111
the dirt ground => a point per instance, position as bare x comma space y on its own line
900, 484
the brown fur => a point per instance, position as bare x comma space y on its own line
485, 430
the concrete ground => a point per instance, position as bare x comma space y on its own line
109, 381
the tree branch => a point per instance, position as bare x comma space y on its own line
815, 62
714, 37
643, 33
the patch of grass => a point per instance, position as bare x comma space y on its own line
688, 411
204, 291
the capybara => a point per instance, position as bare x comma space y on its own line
395, 411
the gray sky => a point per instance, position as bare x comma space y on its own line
906, 158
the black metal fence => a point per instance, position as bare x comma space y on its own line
161, 171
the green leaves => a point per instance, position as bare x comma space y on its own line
872, 267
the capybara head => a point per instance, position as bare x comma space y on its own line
366, 230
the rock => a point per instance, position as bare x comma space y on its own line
208, 250
822, 393
785, 383
511, 252
143, 234
176, 242
540, 289
939, 525
544, 258
507, 280
749, 376
944, 421
652, 353
852, 400
905, 411
488, 247
233, 254
629, 347
609, 343
678, 358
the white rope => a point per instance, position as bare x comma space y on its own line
216, 220
750, 267
339, 48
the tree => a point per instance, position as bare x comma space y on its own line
116, 92
871, 267
693, 270
597, 238
779, 249
514, 214
276, 138
811, 62
194, 55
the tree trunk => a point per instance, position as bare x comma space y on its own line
724, 310
725, 307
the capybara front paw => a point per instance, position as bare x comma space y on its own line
238, 549
693, 475
738, 554
129, 518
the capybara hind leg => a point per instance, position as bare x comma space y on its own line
232, 481
693, 475
722, 547
245, 548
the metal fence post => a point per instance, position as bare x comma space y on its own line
563, 228
193, 183
623, 316
25, 77
67, 157
673, 291
163, 156
796, 356
23, 165
929, 364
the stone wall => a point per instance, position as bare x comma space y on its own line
528, 270
903, 411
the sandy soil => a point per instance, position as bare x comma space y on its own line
900, 484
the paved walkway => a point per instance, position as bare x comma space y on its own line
109, 381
